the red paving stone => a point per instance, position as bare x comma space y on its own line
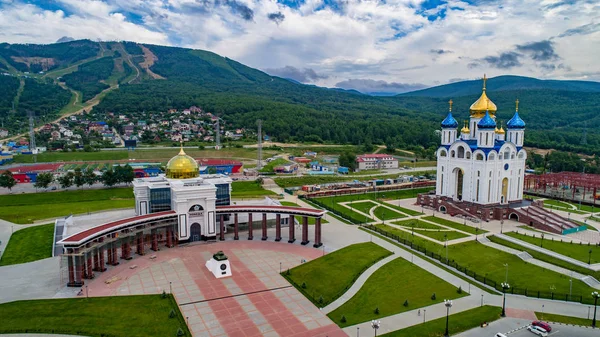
523, 314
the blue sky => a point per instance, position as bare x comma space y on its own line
385, 45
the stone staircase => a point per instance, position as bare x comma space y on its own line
525, 256
543, 219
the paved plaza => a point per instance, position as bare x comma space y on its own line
256, 301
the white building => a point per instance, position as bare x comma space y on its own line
376, 162
483, 164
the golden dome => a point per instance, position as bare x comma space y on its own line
465, 128
483, 104
500, 131
182, 166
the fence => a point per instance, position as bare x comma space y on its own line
482, 278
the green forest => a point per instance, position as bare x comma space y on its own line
60, 53
87, 78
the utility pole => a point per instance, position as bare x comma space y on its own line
32, 145
218, 135
259, 164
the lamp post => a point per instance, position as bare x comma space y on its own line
375, 324
542, 241
424, 312
595, 295
590, 256
506, 276
505, 287
279, 267
357, 332
482, 300
501, 225
448, 304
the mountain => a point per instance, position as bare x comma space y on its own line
56, 79
504, 83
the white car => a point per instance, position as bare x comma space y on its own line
537, 330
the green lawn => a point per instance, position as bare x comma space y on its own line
572, 250
28, 207
385, 213
311, 221
563, 319
455, 225
125, 316
388, 288
249, 189
29, 244
457, 323
557, 204
363, 206
442, 235
270, 166
331, 275
403, 210
546, 258
315, 180
489, 262
416, 223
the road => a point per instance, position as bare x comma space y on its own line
507, 325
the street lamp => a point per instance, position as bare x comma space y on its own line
375, 325
542, 241
595, 295
357, 332
506, 277
590, 257
446, 245
448, 304
505, 287
501, 225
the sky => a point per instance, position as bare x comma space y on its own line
370, 46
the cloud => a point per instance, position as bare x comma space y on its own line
539, 51
378, 86
440, 51
239, 8
582, 30
276, 17
305, 75
505, 60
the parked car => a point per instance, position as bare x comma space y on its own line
542, 325
537, 330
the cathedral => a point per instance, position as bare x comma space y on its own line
482, 163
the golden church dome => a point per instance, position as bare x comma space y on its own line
182, 166
465, 128
483, 104
500, 131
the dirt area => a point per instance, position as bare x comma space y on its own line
149, 59
45, 62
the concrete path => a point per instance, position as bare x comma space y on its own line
33, 280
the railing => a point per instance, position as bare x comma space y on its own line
482, 278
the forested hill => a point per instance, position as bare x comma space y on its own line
150, 78
504, 83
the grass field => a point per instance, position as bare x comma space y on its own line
403, 210
270, 166
26, 208
249, 189
126, 316
385, 213
457, 323
563, 319
363, 206
416, 223
455, 225
29, 244
388, 288
442, 236
572, 250
489, 262
331, 275
317, 180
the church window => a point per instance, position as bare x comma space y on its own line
517, 139
468, 155
506, 154
452, 154
477, 195
492, 156
479, 173
521, 155
479, 156
442, 183
442, 153
489, 188
512, 155
487, 138
461, 152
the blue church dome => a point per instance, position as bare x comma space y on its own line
486, 122
515, 122
449, 122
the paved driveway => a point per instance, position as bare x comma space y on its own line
506, 325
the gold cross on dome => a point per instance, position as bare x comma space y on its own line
517, 104
484, 80
450, 102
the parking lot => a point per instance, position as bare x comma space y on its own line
509, 324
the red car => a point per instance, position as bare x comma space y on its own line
542, 325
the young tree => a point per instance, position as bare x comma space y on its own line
348, 159
109, 178
44, 180
127, 174
7, 180
66, 180
78, 179
90, 177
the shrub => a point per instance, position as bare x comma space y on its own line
163, 295
406, 303
180, 332
303, 285
377, 311
321, 300
433, 297
288, 272
459, 290
343, 320
172, 313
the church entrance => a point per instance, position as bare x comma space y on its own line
195, 232
459, 183
504, 197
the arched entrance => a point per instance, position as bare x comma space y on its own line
504, 197
195, 232
459, 178
513, 216
442, 209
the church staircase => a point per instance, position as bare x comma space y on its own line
543, 219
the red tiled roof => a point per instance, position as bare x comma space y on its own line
78, 237
211, 161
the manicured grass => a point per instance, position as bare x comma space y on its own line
563, 319
316, 180
454, 225
403, 210
331, 275
270, 166
29, 244
573, 250
529, 228
442, 235
489, 262
460, 322
126, 316
72, 156
311, 221
249, 189
546, 258
26, 208
363, 206
416, 223
388, 288
557, 204
385, 213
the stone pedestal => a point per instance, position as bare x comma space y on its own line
219, 265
